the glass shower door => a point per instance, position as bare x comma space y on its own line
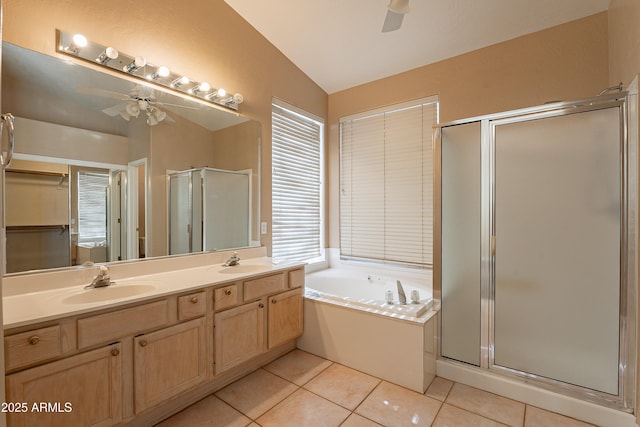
557, 247
460, 247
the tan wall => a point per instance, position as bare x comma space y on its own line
204, 39
564, 62
624, 41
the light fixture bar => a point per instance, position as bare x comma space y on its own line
137, 66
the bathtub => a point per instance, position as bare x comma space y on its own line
348, 320
368, 291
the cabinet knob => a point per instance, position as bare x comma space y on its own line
261, 305
273, 301
194, 300
115, 352
34, 340
143, 343
227, 291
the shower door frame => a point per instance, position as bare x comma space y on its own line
627, 102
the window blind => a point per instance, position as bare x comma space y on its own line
386, 178
92, 206
296, 185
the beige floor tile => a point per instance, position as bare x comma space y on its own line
487, 404
536, 417
256, 393
304, 408
344, 386
356, 420
209, 412
298, 366
392, 405
439, 388
450, 416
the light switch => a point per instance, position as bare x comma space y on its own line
263, 228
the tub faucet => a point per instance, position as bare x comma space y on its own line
234, 259
102, 279
401, 296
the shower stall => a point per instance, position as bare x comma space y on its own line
209, 209
536, 240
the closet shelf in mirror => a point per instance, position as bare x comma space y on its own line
61, 227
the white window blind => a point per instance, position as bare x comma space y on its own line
296, 185
92, 206
386, 197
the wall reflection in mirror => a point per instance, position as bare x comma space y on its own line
94, 167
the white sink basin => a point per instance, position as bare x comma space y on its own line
108, 293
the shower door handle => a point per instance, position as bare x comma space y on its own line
8, 120
493, 246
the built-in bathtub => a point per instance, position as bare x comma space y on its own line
348, 321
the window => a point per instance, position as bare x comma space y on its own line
297, 190
386, 194
92, 206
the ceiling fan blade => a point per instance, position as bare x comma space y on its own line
102, 92
113, 111
392, 22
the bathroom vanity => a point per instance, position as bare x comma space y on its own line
138, 359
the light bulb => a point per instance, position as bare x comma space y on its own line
160, 115
238, 98
106, 56
137, 63
180, 81
151, 120
221, 92
202, 87
132, 109
79, 40
160, 72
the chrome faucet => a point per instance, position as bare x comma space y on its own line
401, 296
234, 259
102, 279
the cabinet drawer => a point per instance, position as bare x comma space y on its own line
263, 286
32, 346
192, 305
225, 297
109, 327
296, 278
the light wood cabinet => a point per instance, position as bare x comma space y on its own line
239, 334
284, 318
168, 362
31, 347
128, 364
82, 390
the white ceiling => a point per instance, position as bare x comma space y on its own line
338, 43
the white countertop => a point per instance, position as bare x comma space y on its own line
35, 307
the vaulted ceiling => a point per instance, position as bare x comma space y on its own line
339, 43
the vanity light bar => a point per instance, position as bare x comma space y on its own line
138, 67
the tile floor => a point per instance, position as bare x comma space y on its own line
303, 390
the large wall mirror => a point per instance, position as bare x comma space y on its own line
91, 182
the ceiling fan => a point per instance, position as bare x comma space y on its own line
141, 99
395, 13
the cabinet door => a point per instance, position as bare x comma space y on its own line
239, 334
285, 317
82, 390
168, 362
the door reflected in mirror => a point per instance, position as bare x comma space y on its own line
105, 194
